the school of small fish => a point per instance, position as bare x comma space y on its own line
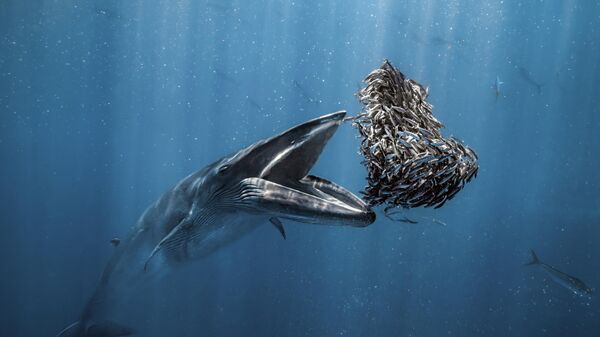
409, 162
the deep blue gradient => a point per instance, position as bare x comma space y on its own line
106, 104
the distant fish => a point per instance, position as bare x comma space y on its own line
497, 86
223, 76
526, 75
572, 283
107, 13
560, 82
407, 220
305, 93
439, 222
390, 212
440, 41
217, 6
115, 242
254, 104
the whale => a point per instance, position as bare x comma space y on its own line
266, 183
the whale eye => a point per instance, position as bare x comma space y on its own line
223, 169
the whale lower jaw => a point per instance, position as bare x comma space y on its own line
310, 200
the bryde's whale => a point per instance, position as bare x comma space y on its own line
263, 183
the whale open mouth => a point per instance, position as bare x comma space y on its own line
283, 187
271, 178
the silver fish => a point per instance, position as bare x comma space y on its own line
567, 281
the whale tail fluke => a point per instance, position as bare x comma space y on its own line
95, 329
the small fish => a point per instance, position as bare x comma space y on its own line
440, 41
497, 85
571, 283
526, 75
436, 221
217, 6
254, 104
115, 242
389, 214
308, 97
407, 220
107, 13
224, 77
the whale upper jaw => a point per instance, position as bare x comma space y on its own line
283, 186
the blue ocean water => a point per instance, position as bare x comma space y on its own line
107, 104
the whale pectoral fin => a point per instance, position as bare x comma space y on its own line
154, 251
277, 223
174, 243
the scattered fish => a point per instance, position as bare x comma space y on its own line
389, 212
407, 220
106, 12
497, 86
438, 41
254, 104
439, 222
221, 75
309, 98
526, 75
218, 7
115, 242
567, 281
561, 81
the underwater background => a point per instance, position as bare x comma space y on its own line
107, 104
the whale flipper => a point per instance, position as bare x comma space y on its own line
174, 243
277, 223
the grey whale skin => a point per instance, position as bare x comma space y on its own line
266, 181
